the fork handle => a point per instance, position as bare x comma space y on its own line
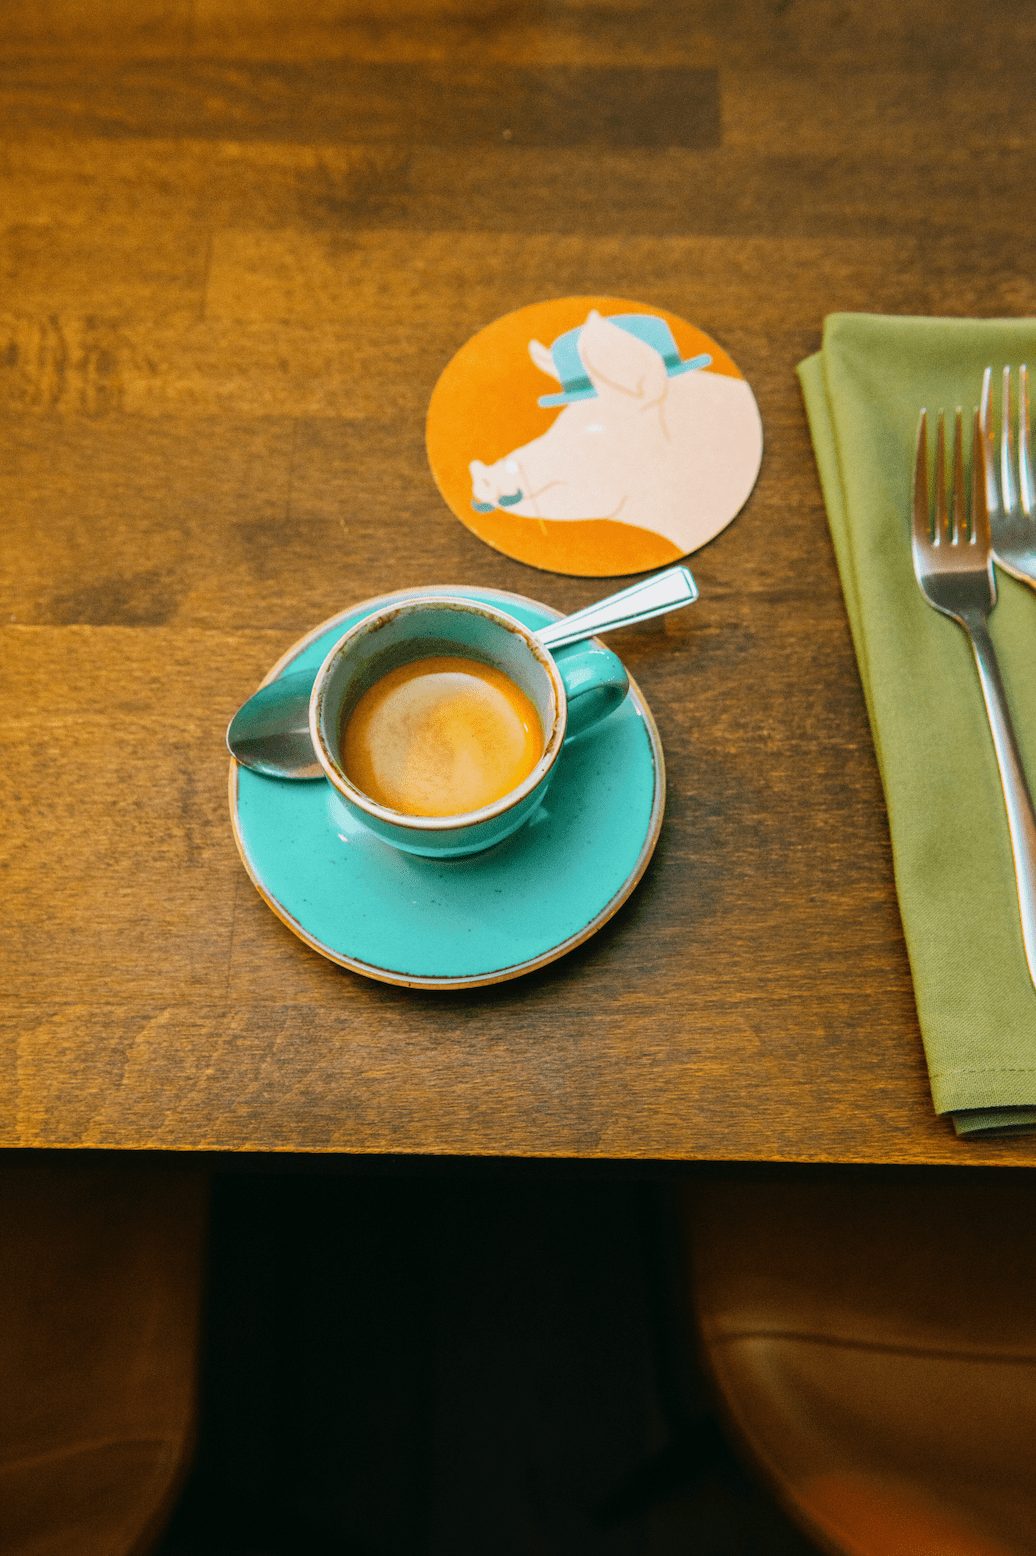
1021, 818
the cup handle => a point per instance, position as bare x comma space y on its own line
596, 684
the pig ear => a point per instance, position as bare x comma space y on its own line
616, 360
543, 359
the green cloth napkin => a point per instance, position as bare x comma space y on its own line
951, 849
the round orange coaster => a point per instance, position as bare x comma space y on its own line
594, 436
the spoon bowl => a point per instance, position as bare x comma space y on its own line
270, 732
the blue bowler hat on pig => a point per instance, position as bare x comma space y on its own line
648, 327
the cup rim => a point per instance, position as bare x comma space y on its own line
462, 820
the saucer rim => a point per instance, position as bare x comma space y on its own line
500, 975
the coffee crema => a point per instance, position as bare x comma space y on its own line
441, 736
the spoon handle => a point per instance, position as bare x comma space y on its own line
652, 597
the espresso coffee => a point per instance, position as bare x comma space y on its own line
441, 736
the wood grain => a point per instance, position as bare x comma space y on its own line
238, 248
416, 102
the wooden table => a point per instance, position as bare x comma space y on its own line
240, 245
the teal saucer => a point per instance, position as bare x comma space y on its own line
452, 924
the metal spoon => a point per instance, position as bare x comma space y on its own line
270, 732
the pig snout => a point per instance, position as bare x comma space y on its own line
495, 486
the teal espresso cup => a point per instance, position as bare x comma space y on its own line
570, 689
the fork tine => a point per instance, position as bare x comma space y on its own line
958, 491
942, 512
992, 491
920, 512
1008, 484
979, 506
1025, 477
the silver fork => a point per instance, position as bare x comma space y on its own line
1012, 501
954, 569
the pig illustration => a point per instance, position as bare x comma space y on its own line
643, 438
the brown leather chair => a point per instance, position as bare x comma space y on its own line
873, 1347
100, 1286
